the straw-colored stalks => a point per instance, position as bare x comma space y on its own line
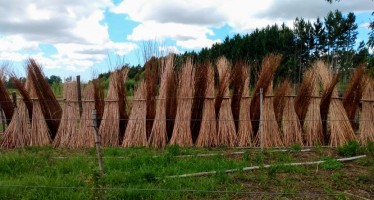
182, 128
291, 127
208, 128
110, 127
152, 67
305, 95
353, 94
226, 126
135, 134
5, 101
245, 132
85, 135
18, 132
268, 67
270, 129
158, 137
237, 78
280, 100
338, 125
367, 114
67, 132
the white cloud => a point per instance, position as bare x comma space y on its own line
197, 43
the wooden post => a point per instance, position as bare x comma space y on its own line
79, 91
97, 142
3, 121
261, 119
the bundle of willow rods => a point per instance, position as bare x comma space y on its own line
158, 137
312, 126
270, 129
49, 105
152, 67
85, 135
136, 134
40, 135
268, 67
226, 126
18, 132
339, 127
280, 100
353, 94
182, 130
291, 127
208, 128
67, 132
114, 110
245, 133
5, 101
367, 113
305, 95
238, 87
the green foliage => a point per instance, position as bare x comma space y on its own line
331, 164
352, 148
296, 147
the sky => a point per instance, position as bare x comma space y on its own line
87, 37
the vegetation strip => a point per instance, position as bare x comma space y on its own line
264, 166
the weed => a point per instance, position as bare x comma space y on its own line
295, 147
352, 148
331, 164
173, 150
260, 158
246, 156
363, 178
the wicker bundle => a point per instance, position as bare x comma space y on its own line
42, 92
268, 67
151, 75
158, 137
280, 100
226, 126
208, 129
182, 130
238, 77
5, 101
114, 110
135, 134
68, 131
245, 132
85, 136
271, 132
339, 127
367, 114
291, 127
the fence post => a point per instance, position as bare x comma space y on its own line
261, 122
97, 142
3, 121
79, 91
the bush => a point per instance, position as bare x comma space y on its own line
350, 149
331, 164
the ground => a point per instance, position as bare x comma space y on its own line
142, 173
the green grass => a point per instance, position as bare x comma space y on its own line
141, 173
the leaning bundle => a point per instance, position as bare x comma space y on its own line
268, 67
271, 136
18, 132
114, 110
245, 132
312, 123
85, 135
226, 126
67, 132
5, 101
238, 78
353, 94
367, 114
304, 95
158, 137
136, 134
182, 130
208, 128
42, 91
339, 127
280, 100
291, 127
151, 76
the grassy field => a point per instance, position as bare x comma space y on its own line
141, 173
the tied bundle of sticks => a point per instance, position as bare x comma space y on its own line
47, 109
67, 132
158, 137
182, 130
5, 101
307, 106
226, 126
245, 133
353, 94
291, 127
136, 134
271, 135
367, 113
338, 127
18, 132
208, 129
113, 122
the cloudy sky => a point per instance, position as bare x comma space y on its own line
70, 37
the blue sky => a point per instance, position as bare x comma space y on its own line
87, 37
